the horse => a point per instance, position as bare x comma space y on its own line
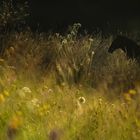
129, 46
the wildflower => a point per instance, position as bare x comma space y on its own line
43, 110
57, 34
58, 67
26, 90
13, 126
2, 99
35, 102
63, 84
77, 24
90, 39
64, 42
50, 90
11, 50
132, 92
113, 105
15, 122
6, 93
81, 100
92, 52
69, 36
100, 101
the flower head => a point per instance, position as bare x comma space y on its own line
91, 39
6, 93
26, 89
132, 92
15, 122
35, 102
81, 100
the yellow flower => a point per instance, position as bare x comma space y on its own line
2, 99
6, 93
15, 122
132, 92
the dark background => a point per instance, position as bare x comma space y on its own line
106, 15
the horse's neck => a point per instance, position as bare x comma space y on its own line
123, 45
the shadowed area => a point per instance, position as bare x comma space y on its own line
129, 46
106, 15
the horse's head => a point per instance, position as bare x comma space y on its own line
116, 44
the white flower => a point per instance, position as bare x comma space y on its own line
50, 90
32, 104
64, 41
90, 39
26, 90
81, 100
92, 52
35, 102
22, 92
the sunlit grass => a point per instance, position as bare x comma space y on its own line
67, 87
68, 113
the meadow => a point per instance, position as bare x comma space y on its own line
67, 87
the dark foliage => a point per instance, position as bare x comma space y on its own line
129, 46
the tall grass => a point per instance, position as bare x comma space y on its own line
67, 87
72, 59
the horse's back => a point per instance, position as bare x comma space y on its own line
130, 47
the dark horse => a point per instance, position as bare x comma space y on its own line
129, 46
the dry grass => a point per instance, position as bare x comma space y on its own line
67, 87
